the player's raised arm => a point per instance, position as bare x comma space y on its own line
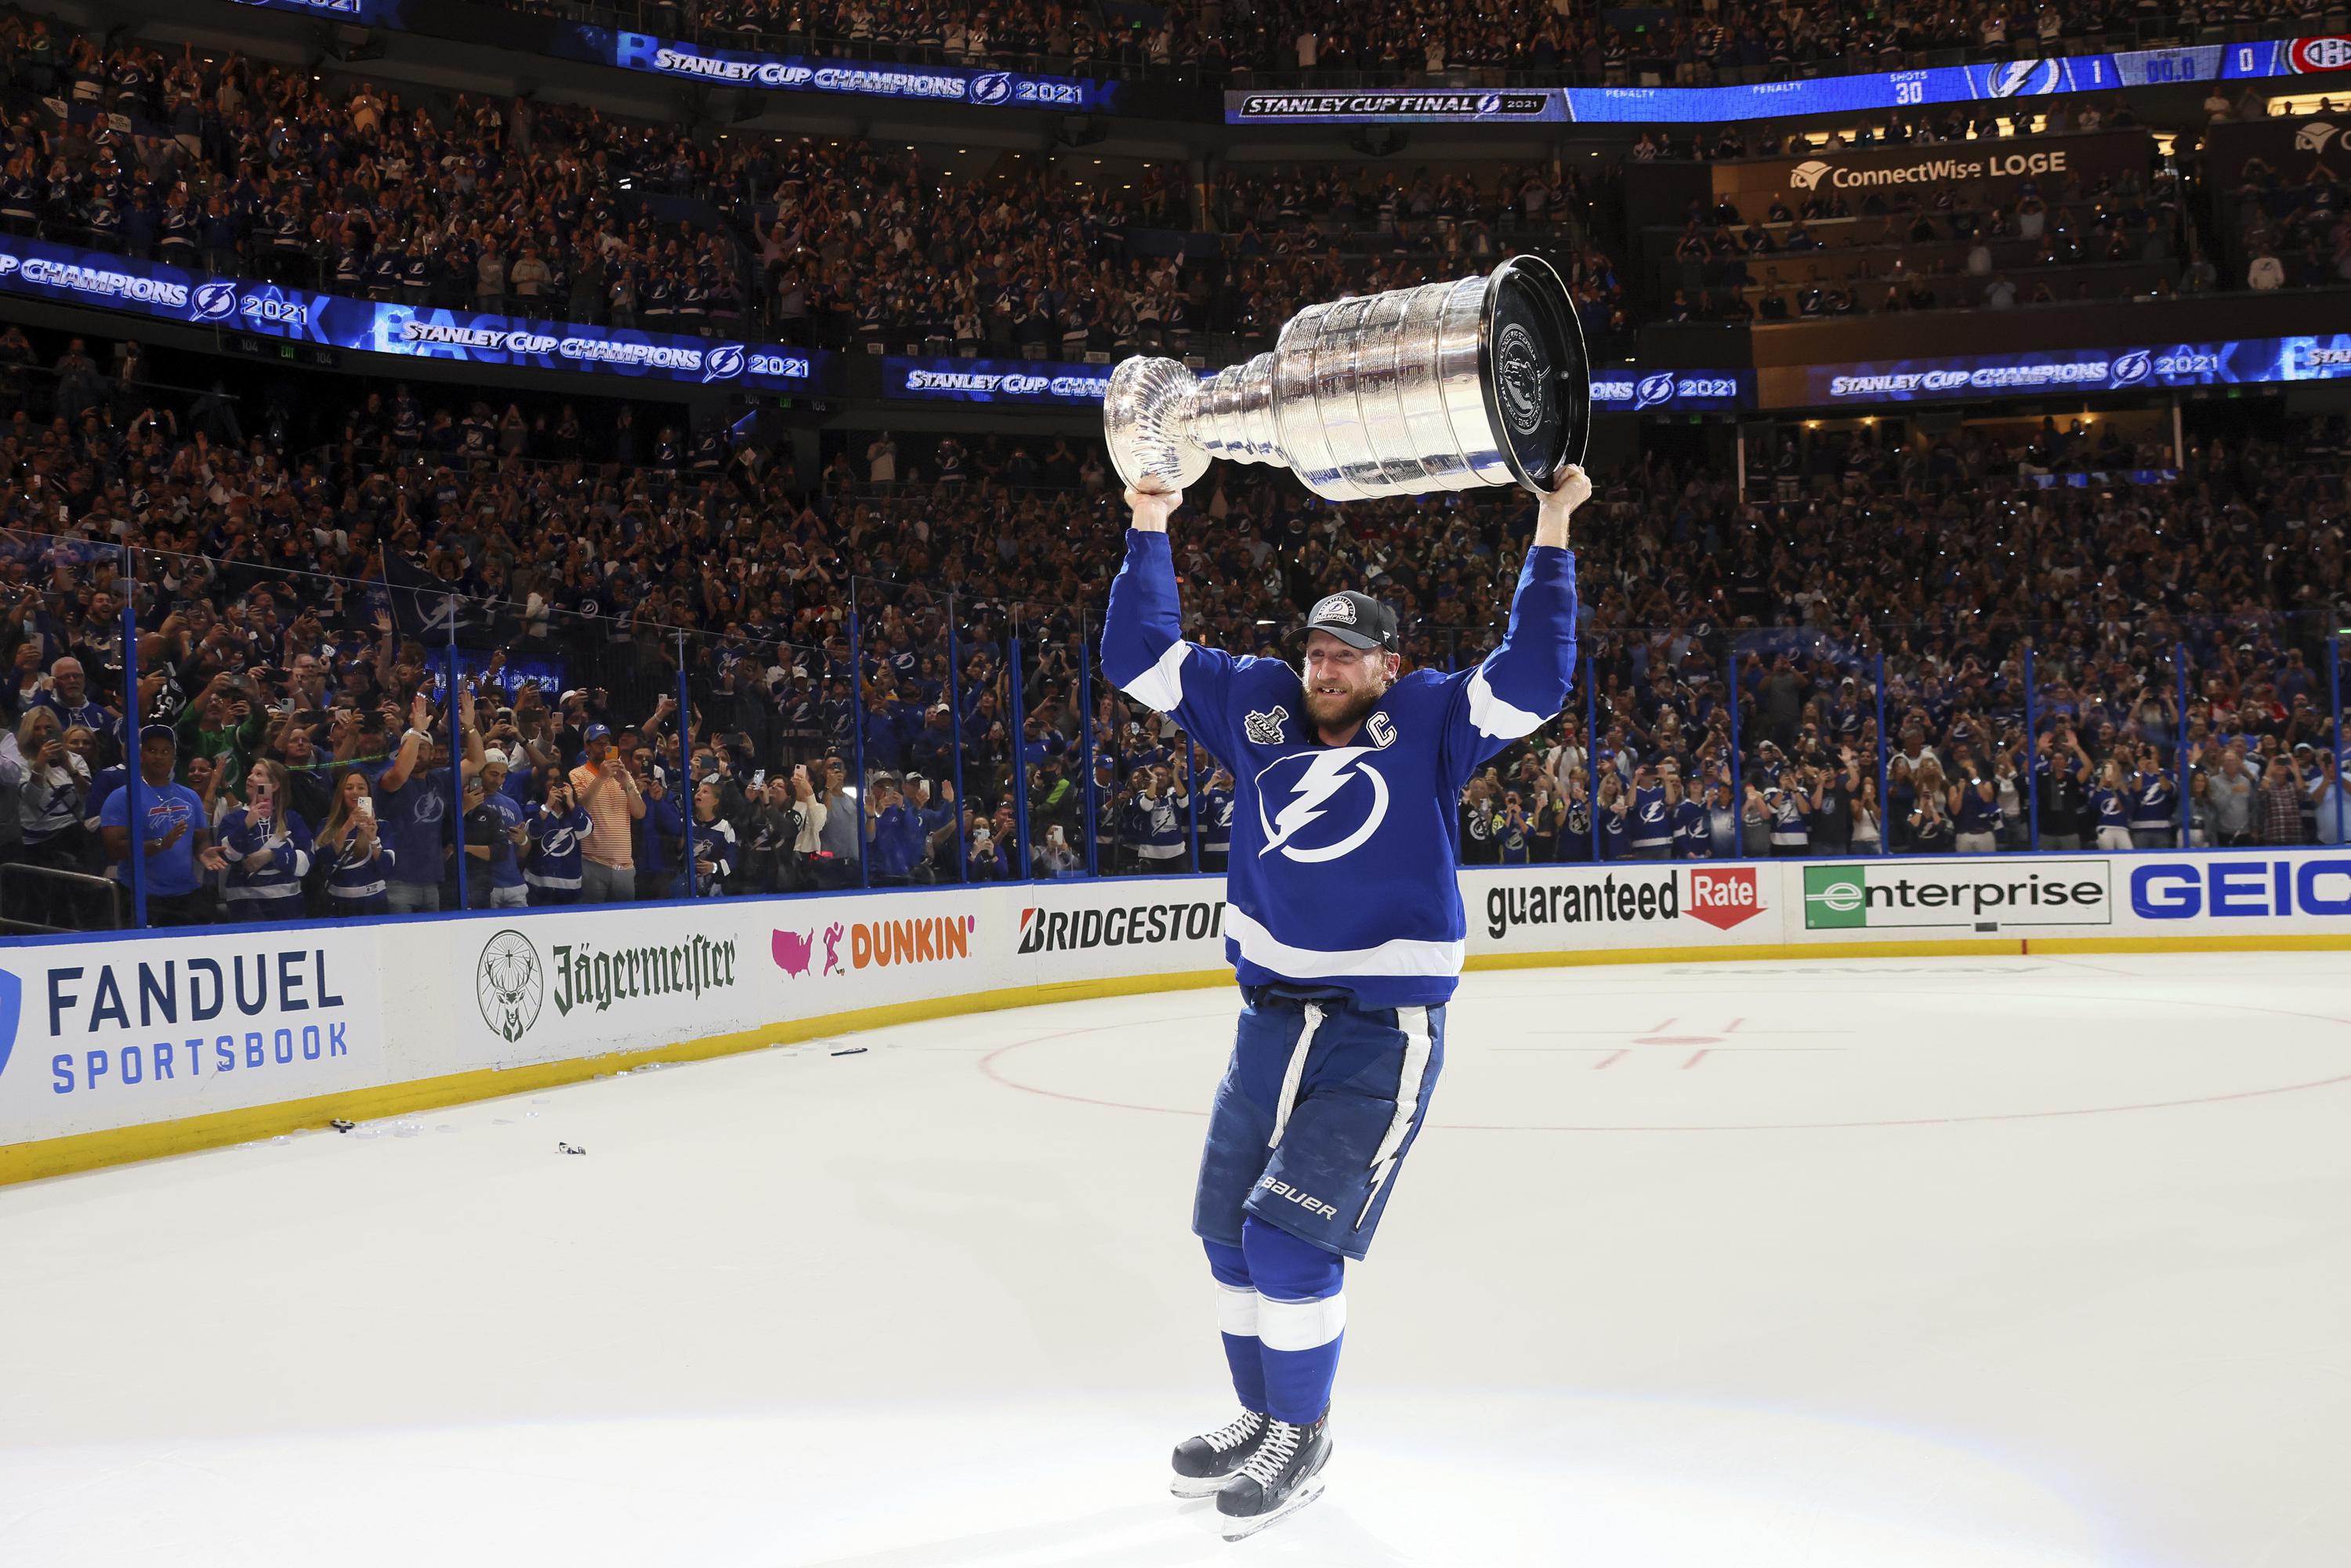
1142, 648
1526, 680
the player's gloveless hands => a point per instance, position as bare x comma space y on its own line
1570, 487
1152, 509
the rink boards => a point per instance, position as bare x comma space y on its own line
130, 1047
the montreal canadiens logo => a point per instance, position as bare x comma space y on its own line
2132, 368
2309, 54
1653, 391
993, 87
212, 302
723, 364
1320, 805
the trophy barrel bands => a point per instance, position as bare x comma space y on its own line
1447, 386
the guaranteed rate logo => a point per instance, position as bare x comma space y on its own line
1719, 896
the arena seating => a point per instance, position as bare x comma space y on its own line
597, 583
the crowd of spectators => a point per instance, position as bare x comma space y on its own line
1824, 253
2295, 233
1532, 41
655, 676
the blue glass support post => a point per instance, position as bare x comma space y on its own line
686, 761
857, 736
2031, 759
1019, 730
2334, 743
457, 757
1884, 831
1086, 744
1592, 755
955, 716
1191, 796
2180, 740
135, 813
1738, 767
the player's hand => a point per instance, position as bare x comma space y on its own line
1570, 487
1152, 509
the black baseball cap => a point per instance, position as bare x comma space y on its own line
1355, 619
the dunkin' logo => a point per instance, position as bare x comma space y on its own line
933, 939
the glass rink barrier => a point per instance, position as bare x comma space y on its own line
206, 738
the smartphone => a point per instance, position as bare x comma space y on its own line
367, 807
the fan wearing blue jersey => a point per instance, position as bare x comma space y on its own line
1344, 926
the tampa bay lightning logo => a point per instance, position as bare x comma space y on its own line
992, 87
723, 364
1654, 390
1329, 803
2024, 78
212, 302
1490, 103
2132, 368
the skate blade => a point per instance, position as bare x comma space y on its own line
1242, 1528
1196, 1486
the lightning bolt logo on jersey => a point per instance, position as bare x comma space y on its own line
1342, 870
1323, 785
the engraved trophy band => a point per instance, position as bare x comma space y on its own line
1447, 386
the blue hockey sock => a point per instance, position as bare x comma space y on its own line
1302, 1316
1236, 1322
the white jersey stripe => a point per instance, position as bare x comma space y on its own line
1493, 717
1399, 955
1160, 687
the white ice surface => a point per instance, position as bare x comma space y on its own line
2039, 1264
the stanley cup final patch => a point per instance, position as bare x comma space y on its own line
1265, 729
1338, 608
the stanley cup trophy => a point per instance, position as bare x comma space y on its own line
1447, 386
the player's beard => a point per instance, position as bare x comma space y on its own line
1344, 710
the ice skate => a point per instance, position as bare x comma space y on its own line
1282, 1477
1205, 1463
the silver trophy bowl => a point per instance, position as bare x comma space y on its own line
1447, 386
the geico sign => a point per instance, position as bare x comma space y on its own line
2179, 890
1930, 171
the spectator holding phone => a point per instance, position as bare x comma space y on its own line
358, 860
268, 847
553, 870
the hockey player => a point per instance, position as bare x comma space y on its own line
1344, 926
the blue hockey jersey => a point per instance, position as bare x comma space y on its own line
1343, 858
